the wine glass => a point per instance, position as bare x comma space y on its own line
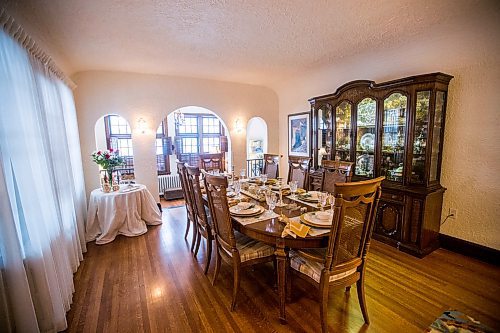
331, 199
322, 197
237, 188
271, 201
263, 178
293, 187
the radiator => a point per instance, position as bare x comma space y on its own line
167, 182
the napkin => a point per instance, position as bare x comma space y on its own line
294, 228
232, 202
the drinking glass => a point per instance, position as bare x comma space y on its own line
322, 197
271, 201
263, 178
293, 187
237, 188
243, 173
331, 197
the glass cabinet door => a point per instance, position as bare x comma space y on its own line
365, 137
436, 134
324, 143
393, 137
343, 131
420, 137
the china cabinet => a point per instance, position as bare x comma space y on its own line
393, 129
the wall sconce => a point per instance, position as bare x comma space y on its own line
238, 126
142, 125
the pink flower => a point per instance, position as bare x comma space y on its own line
107, 156
110, 150
99, 152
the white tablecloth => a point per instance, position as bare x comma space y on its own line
125, 212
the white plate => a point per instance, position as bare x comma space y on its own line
367, 141
255, 210
311, 196
311, 219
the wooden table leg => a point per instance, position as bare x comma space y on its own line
281, 261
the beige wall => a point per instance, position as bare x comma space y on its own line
471, 156
152, 97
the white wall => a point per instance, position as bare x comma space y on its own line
471, 156
151, 97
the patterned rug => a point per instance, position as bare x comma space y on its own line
453, 321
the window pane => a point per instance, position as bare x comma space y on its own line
159, 147
211, 125
190, 126
211, 145
160, 129
189, 145
125, 147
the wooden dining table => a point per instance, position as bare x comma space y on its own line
270, 231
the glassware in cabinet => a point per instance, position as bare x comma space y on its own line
393, 137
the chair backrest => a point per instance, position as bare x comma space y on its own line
193, 179
209, 162
298, 169
335, 172
216, 187
353, 219
271, 165
188, 197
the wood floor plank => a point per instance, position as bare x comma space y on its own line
152, 283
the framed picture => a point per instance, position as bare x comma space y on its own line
299, 128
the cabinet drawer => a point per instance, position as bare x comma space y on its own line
392, 196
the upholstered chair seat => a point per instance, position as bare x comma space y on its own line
249, 248
313, 268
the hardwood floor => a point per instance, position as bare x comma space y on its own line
152, 283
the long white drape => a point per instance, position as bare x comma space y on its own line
43, 203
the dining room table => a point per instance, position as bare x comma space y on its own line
127, 212
270, 229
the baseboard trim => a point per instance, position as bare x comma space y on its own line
470, 249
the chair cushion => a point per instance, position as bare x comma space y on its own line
312, 268
250, 248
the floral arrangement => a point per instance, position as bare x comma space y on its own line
108, 159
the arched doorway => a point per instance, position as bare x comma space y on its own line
183, 135
113, 132
256, 145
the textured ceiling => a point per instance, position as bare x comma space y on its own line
258, 42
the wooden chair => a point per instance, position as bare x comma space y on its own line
271, 165
335, 172
298, 169
202, 220
343, 262
188, 198
210, 162
234, 247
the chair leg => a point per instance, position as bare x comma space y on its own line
195, 234
348, 289
188, 223
236, 284
361, 297
217, 263
323, 308
209, 253
198, 240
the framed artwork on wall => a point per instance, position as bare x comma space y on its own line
299, 138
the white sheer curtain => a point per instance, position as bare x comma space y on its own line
43, 203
